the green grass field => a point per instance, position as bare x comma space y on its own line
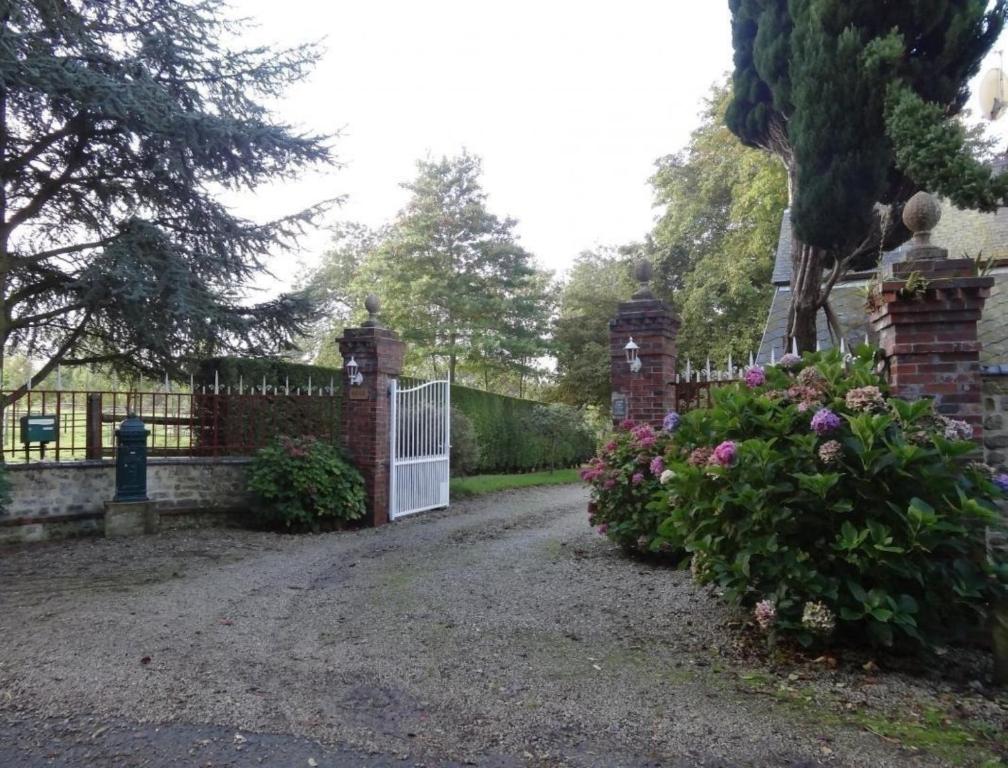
462, 487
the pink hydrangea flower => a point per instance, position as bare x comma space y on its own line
628, 424
657, 466
725, 454
754, 377
609, 484
610, 446
602, 529
765, 614
637, 479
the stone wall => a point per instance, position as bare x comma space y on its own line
55, 500
995, 412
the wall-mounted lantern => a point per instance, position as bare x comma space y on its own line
353, 373
631, 356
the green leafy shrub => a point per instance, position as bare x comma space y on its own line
625, 478
465, 448
809, 493
560, 434
304, 484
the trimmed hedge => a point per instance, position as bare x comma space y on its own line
239, 424
251, 371
522, 435
513, 435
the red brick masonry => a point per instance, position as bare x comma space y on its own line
364, 423
930, 337
654, 329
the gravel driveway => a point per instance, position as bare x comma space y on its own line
501, 632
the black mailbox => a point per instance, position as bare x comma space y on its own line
131, 460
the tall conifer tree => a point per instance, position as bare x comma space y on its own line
858, 99
120, 120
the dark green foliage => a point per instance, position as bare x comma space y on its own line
597, 282
465, 447
119, 122
305, 484
237, 423
714, 244
250, 372
520, 435
879, 519
857, 98
454, 281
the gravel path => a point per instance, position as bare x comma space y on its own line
502, 632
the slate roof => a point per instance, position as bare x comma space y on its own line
963, 233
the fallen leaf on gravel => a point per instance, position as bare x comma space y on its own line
870, 666
597, 667
99, 731
145, 660
239, 739
312, 762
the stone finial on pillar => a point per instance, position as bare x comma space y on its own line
644, 394
927, 321
365, 414
921, 214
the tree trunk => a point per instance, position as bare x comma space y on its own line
806, 298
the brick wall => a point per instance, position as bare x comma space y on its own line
995, 413
68, 499
653, 328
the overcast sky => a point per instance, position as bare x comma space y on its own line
568, 103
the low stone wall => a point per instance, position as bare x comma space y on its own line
995, 420
54, 500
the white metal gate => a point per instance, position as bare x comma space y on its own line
420, 433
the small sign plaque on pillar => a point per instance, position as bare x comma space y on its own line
619, 406
359, 393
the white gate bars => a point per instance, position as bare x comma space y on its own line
420, 442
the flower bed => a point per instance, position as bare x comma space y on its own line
810, 495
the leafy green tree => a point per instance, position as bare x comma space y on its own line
119, 120
453, 279
334, 288
714, 243
859, 99
597, 282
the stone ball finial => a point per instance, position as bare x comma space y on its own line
372, 305
921, 214
643, 272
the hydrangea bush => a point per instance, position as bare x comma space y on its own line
829, 508
625, 478
304, 483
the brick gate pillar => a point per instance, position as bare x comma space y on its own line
644, 395
926, 317
364, 417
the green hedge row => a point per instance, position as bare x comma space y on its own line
513, 435
231, 371
239, 424
522, 435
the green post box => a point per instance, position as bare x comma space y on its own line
39, 428
131, 460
